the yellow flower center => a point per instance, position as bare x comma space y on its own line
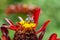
27, 24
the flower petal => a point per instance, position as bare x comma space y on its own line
10, 22
12, 26
36, 14
43, 26
4, 29
41, 35
53, 37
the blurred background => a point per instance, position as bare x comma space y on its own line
50, 9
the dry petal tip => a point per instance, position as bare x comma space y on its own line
20, 18
10, 22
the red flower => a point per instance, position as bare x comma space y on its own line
26, 30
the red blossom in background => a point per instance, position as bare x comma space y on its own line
54, 37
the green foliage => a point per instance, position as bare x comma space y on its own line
13, 1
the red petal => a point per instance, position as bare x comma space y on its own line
36, 14
43, 26
12, 26
58, 39
4, 30
41, 35
10, 22
10, 9
53, 36
5, 37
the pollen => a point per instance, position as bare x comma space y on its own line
22, 22
27, 24
33, 24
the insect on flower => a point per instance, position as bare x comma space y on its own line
25, 29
